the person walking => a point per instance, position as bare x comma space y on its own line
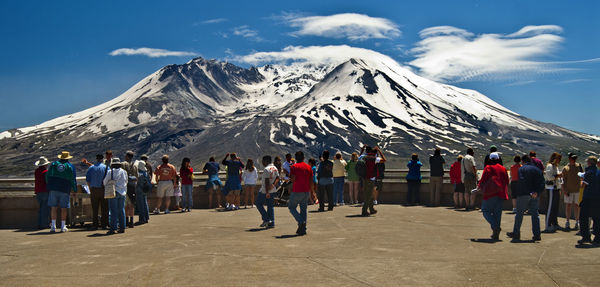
132, 178
267, 191
530, 186
368, 171
117, 204
353, 179
570, 188
494, 184
325, 178
233, 185
60, 181
413, 179
143, 187
213, 184
301, 176
166, 176
186, 172
95, 180
590, 205
553, 181
436, 165
250, 178
41, 193
339, 174
468, 175
514, 181
456, 181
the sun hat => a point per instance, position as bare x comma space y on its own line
144, 157
115, 161
65, 155
494, 156
42, 161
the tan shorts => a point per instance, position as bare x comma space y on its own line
572, 198
165, 188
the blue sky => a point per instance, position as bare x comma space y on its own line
538, 58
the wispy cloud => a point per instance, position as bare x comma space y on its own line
150, 52
573, 81
246, 32
315, 54
213, 21
355, 27
452, 54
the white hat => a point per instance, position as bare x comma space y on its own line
115, 161
494, 156
42, 161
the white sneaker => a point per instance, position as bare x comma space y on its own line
167, 211
374, 202
53, 229
64, 229
514, 210
156, 211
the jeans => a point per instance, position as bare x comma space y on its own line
589, 208
99, 203
142, 205
338, 190
412, 197
435, 183
298, 198
44, 211
492, 211
117, 211
368, 186
187, 191
322, 189
525, 202
267, 215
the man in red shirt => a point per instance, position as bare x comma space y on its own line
301, 175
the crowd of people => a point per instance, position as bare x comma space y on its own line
118, 188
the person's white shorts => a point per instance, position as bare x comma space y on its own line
572, 198
165, 188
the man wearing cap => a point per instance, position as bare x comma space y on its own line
166, 175
132, 177
117, 204
144, 186
94, 178
41, 193
570, 188
60, 180
494, 184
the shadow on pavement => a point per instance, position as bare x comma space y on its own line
42, 233
99, 235
285, 236
485, 240
587, 246
256, 229
355, 216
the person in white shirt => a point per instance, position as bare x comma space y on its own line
249, 177
270, 178
116, 205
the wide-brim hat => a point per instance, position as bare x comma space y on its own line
65, 155
115, 161
42, 161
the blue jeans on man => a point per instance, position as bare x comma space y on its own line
526, 202
43, 220
116, 206
141, 199
267, 215
492, 211
338, 190
298, 198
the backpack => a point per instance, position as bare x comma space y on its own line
380, 170
110, 187
361, 168
371, 168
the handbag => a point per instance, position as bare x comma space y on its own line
110, 187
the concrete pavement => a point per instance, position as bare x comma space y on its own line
399, 246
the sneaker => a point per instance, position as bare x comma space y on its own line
167, 211
236, 207
342, 204
373, 211
52, 229
264, 224
156, 211
567, 226
110, 232
189, 210
365, 214
121, 231
513, 235
375, 202
270, 224
64, 229
537, 238
514, 210
584, 240
576, 227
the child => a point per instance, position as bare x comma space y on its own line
249, 177
177, 192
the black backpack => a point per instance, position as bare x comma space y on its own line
361, 168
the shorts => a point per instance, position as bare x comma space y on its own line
459, 187
514, 188
379, 184
572, 198
213, 184
59, 199
165, 188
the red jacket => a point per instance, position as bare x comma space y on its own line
40, 179
455, 173
494, 182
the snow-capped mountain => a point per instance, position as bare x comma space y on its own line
208, 107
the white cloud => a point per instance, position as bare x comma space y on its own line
451, 54
150, 52
355, 27
314, 54
246, 32
214, 21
